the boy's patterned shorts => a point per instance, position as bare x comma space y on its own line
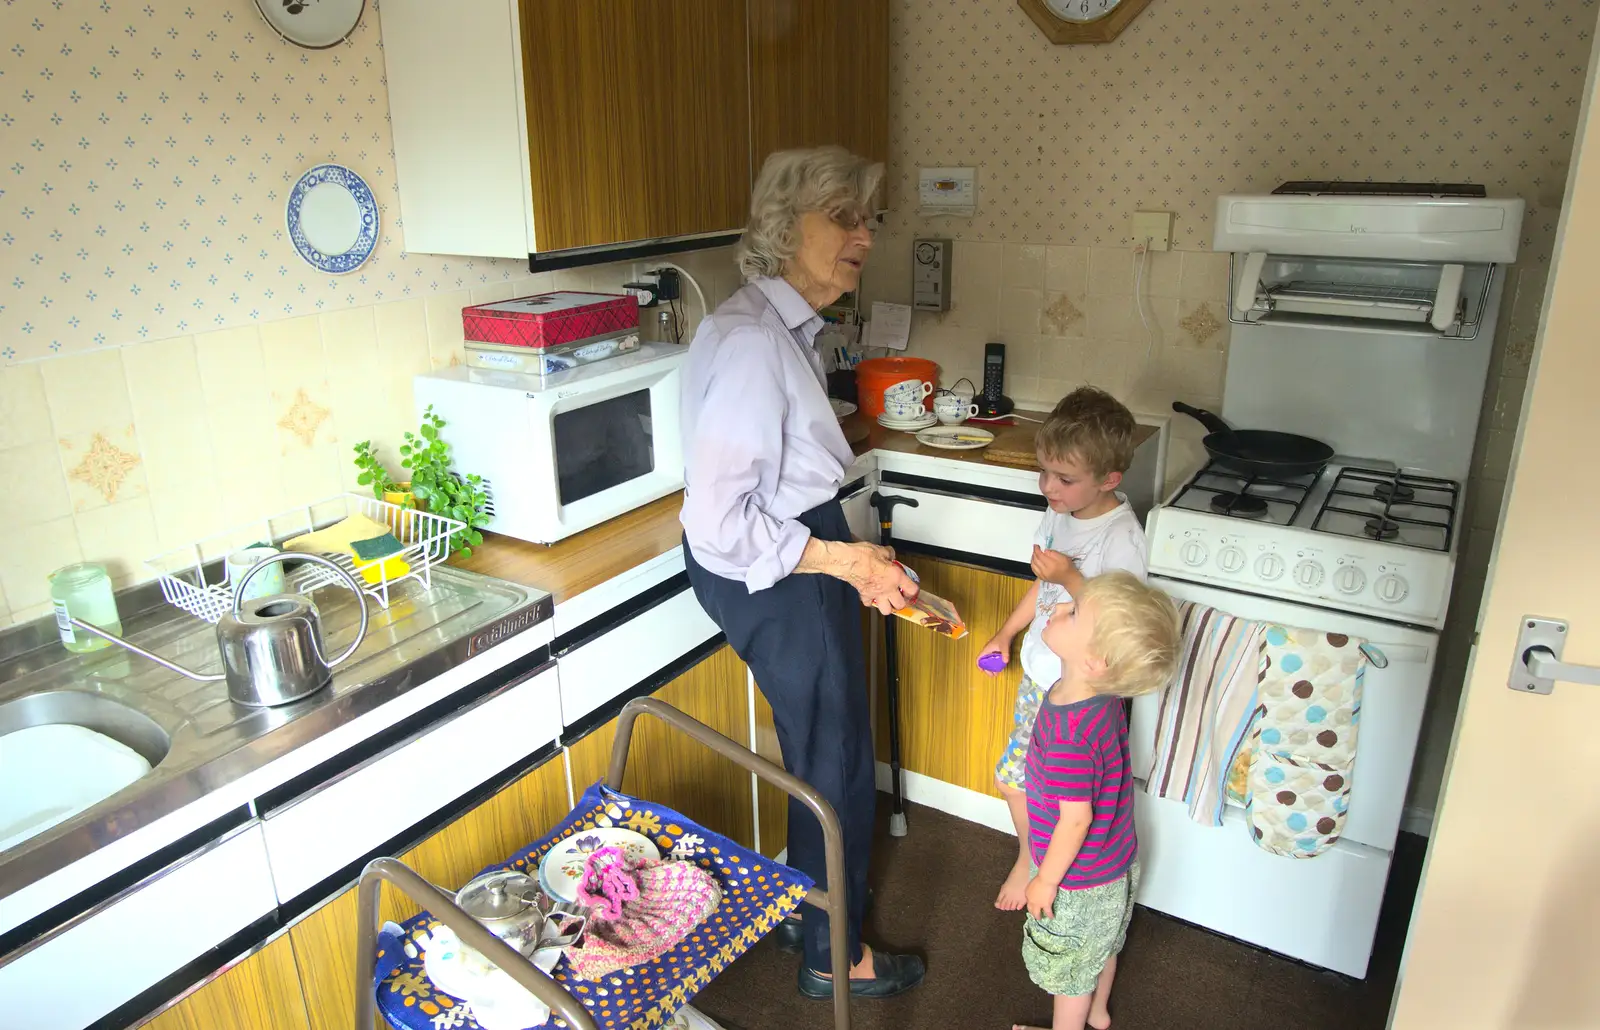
1065, 953
1009, 770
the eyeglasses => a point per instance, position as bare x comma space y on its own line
852, 218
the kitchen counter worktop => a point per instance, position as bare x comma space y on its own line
592, 558
1013, 446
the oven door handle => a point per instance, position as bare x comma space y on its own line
1381, 656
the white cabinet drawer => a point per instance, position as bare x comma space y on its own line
156, 927
859, 513
315, 836
989, 528
620, 658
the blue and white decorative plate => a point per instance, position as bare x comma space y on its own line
333, 219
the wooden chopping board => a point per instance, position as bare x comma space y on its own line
1013, 445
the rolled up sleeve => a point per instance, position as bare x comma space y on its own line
737, 445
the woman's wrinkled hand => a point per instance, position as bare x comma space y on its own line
881, 581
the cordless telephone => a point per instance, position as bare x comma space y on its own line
991, 401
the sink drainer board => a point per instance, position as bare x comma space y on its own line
194, 576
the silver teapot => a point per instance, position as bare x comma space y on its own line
511, 906
272, 649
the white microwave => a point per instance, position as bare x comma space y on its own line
564, 452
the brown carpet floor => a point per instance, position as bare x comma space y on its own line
935, 892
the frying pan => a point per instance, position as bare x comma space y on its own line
1258, 452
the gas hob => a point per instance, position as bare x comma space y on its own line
1361, 536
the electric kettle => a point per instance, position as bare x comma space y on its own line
272, 648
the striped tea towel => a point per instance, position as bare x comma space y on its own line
1206, 712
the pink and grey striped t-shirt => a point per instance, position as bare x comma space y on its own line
1079, 752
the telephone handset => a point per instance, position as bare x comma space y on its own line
991, 400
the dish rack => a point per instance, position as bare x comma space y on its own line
194, 577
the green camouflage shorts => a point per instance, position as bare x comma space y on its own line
1065, 953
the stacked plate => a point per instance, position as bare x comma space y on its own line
908, 425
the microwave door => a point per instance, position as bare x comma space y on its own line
603, 445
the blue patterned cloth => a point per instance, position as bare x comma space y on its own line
757, 894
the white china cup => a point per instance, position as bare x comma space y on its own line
904, 411
908, 390
953, 411
243, 560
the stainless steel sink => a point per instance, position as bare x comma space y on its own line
133, 729
196, 739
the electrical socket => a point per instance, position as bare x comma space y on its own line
1155, 226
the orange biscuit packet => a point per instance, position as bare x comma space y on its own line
935, 613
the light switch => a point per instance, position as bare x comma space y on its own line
1155, 226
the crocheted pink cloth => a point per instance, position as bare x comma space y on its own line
656, 905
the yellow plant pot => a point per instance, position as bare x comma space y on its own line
403, 496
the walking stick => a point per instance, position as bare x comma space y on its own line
884, 503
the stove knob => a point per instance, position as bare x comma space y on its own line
1350, 580
1308, 574
1269, 566
1194, 554
1391, 588
1230, 559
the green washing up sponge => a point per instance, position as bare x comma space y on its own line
375, 548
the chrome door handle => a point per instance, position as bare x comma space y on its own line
1536, 665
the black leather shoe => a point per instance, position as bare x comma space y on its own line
893, 974
790, 934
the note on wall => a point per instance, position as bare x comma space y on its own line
891, 325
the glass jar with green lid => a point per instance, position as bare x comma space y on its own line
83, 591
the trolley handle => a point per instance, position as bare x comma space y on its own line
832, 834
472, 933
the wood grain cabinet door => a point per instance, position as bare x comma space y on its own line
260, 993
638, 119
819, 74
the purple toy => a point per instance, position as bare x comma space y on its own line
992, 662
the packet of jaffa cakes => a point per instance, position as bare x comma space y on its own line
934, 612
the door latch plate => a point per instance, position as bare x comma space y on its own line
1536, 632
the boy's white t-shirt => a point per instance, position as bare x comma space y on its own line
1106, 542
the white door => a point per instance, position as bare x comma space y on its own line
1505, 928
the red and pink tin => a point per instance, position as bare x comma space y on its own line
548, 320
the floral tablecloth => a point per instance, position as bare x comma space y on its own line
757, 894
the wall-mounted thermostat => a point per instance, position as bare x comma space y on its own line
930, 275
947, 191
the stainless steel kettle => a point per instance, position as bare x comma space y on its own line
272, 648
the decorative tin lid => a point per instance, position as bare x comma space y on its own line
546, 305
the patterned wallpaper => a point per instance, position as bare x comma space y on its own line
1200, 97
146, 153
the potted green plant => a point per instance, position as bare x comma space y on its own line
373, 474
433, 486
445, 492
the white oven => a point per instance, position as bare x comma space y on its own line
1322, 910
564, 452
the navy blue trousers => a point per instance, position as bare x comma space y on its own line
801, 638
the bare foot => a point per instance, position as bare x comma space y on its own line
1013, 893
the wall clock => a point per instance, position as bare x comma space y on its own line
1082, 21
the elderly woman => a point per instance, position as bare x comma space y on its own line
768, 551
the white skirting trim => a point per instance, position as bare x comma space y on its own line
782, 857
1417, 820
947, 797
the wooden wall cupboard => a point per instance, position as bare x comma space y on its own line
533, 126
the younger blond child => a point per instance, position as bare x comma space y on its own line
1084, 447
1116, 638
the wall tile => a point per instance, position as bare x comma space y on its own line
1201, 324
188, 512
1065, 359
311, 475
24, 411
357, 378
169, 410
120, 537
975, 286
1111, 318
1205, 277
30, 553
1164, 273
36, 484
445, 341
1110, 271
1020, 310
1065, 314
1024, 266
103, 467
301, 395
1067, 270
87, 392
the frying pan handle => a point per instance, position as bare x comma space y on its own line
1211, 422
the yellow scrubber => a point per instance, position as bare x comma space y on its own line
341, 538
